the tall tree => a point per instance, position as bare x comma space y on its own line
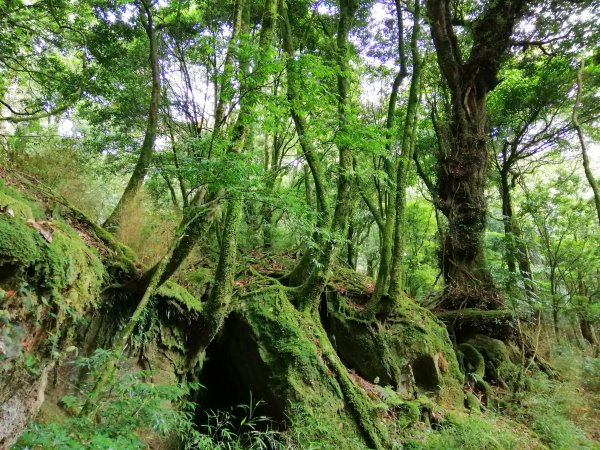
527, 117
584, 150
309, 292
462, 170
146, 17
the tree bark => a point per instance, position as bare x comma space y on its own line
218, 305
462, 169
396, 290
308, 294
390, 165
309, 150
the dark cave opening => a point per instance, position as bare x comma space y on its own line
234, 378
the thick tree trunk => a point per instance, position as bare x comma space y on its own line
461, 183
588, 332
586, 326
147, 150
462, 169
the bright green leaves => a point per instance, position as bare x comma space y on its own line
530, 90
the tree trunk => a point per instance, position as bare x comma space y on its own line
516, 250
218, 305
588, 332
147, 150
352, 250
462, 170
396, 290
586, 160
309, 151
307, 295
391, 167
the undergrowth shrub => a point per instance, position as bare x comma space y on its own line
129, 408
473, 432
242, 429
132, 411
562, 412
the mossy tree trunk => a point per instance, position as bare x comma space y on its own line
462, 170
389, 277
307, 145
388, 216
585, 324
218, 305
147, 150
396, 289
198, 216
308, 294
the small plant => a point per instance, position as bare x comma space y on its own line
128, 409
252, 432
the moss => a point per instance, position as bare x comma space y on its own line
410, 351
475, 314
65, 269
459, 431
472, 360
22, 207
71, 270
472, 402
499, 365
179, 297
18, 243
303, 374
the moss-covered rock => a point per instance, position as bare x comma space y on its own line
286, 359
472, 361
52, 275
499, 365
49, 280
18, 245
410, 351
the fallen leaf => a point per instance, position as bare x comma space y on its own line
8, 211
39, 226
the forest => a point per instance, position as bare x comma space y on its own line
299, 224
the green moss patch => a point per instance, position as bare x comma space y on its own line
289, 351
411, 351
179, 297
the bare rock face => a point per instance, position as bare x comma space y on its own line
22, 407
